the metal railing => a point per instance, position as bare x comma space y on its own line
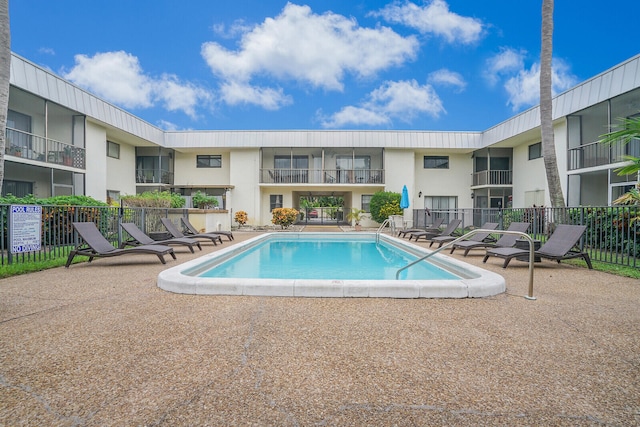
34, 147
472, 233
322, 176
493, 177
596, 154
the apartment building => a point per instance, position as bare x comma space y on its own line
63, 140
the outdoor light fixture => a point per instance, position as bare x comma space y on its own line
419, 193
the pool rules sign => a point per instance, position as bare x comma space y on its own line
25, 227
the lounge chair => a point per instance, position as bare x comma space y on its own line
506, 241
173, 230
448, 231
559, 247
192, 230
479, 237
95, 245
139, 238
435, 228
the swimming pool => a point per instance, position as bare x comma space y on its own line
453, 279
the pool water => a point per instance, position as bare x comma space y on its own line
328, 265
326, 259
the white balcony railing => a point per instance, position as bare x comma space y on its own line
34, 147
325, 176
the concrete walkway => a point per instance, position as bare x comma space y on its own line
99, 345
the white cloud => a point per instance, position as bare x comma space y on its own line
234, 93
118, 77
310, 49
524, 88
47, 51
434, 18
402, 100
445, 77
505, 62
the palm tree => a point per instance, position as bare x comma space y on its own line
546, 113
627, 130
5, 69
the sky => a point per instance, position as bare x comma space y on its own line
436, 65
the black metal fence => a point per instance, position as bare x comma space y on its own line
58, 236
612, 235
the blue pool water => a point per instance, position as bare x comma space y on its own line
325, 259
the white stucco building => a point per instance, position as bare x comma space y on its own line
64, 140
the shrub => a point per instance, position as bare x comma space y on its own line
284, 216
383, 204
240, 217
204, 201
154, 199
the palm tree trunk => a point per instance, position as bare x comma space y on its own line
5, 69
546, 113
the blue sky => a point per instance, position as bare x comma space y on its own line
331, 64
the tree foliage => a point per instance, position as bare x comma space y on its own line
383, 204
154, 199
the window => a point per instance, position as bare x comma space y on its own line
535, 151
275, 201
113, 197
113, 150
17, 188
209, 161
436, 162
366, 202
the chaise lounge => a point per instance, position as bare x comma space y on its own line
138, 238
506, 241
173, 230
435, 228
448, 231
95, 245
192, 230
559, 247
479, 237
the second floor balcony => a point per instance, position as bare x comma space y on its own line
492, 177
596, 154
34, 147
326, 176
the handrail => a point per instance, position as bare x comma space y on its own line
379, 230
479, 230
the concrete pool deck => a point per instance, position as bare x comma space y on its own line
101, 345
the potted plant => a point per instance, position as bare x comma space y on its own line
355, 215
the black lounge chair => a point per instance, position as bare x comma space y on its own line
479, 237
97, 246
506, 241
448, 231
192, 230
173, 230
559, 247
435, 228
139, 238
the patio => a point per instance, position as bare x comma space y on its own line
100, 344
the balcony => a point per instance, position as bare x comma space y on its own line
326, 176
492, 177
34, 147
154, 176
595, 154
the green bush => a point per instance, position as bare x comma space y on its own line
383, 204
203, 201
154, 199
30, 199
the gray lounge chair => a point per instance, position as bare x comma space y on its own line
435, 228
479, 237
192, 230
95, 245
139, 238
448, 231
506, 241
173, 230
559, 247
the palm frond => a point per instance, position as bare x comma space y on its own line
626, 130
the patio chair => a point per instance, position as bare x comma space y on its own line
434, 228
95, 245
139, 238
448, 231
560, 246
506, 241
173, 230
192, 230
479, 237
